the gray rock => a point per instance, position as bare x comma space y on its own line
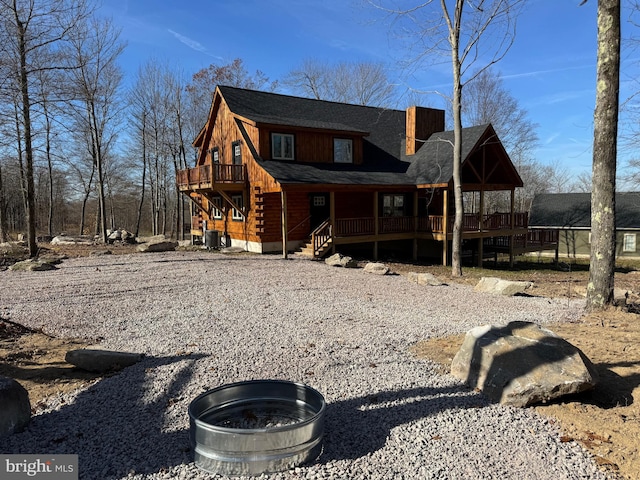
159, 243
501, 287
34, 265
521, 364
424, 278
71, 240
101, 361
339, 260
376, 268
620, 296
15, 413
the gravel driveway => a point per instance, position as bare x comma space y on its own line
206, 319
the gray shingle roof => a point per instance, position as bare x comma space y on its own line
385, 162
573, 210
433, 162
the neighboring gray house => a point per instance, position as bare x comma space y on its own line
570, 214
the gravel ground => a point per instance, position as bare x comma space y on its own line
206, 319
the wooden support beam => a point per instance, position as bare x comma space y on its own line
415, 225
511, 237
376, 224
445, 226
332, 218
283, 198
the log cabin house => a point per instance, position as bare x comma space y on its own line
279, 173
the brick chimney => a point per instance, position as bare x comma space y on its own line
421, 123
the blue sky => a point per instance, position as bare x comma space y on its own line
550, 69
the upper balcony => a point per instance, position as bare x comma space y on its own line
206, 177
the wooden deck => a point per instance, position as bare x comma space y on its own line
206, 177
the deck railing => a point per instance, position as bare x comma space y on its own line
207, 175
433, 223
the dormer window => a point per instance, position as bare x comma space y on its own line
342, 150
282, 146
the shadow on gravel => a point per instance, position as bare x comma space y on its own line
118, 426
358, 427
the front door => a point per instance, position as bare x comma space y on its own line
319, 208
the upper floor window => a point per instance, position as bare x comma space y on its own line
342, 150
282, 146
237, 153
235, 213
215, 155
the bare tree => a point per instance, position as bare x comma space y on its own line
486, 100
361, 83
204, 82
605, 135
96, 82
472, 34
32, 37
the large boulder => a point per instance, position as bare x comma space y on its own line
64, 239
424, 278
339, 260
15, 413
501, 287
158, 243
521, 364
376, 268
35, 265
101, 361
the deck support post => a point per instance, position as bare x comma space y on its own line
415, 225
376, 225
481, 227
511, 221
283, 197
332, 219
445, 226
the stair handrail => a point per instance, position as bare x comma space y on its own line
321, 236
300, 223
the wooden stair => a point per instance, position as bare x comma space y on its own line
306, 250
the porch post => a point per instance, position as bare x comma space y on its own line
511, 220
445, 225
376, 227
283, 197
415, 225
332, 219
481, 227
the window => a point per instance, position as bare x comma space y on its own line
342, 150
215, 155
319, 200
237, 153
281, 146
393, 205
237, 214
216, 207
629, 244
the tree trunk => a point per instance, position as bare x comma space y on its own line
4, 233
30, 198
456, 247
605, 121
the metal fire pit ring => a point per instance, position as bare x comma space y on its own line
257, 426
